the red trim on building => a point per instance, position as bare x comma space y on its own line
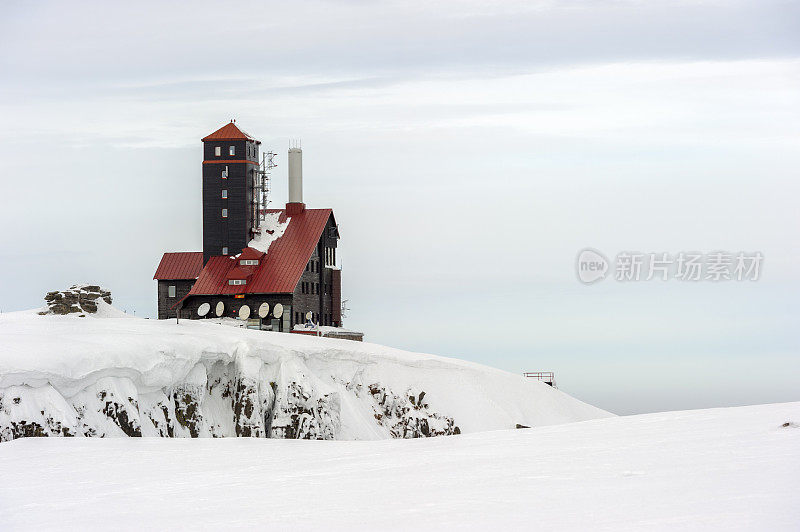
229, 161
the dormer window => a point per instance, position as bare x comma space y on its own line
232, 150
249, 262
236, 282
217, 151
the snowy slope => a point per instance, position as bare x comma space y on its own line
721, 469
115, 375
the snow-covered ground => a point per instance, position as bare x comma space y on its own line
720, 469
114, 375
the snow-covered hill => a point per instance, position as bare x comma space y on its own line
110, 374
721, 469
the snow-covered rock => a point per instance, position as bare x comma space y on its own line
112, 375
77, 298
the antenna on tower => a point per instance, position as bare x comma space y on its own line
261, 186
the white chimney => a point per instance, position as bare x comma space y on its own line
295, 175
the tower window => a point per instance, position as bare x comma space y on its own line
224, 250
224, 193
217, 151
232, 150
171, 291
224, 213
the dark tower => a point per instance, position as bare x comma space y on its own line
230, 212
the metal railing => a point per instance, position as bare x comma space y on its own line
548, 377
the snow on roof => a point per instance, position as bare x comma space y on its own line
288, 243
271, 230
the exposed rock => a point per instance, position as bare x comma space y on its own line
237, 398
299, 414
408, 416
19, 417
77, 298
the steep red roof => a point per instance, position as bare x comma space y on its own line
229, 131
240, 272
251, 254
183, 265
280, 270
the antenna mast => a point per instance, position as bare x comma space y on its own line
261, 187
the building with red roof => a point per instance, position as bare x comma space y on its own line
276, 267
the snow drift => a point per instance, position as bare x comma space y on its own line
110, 374
721, 469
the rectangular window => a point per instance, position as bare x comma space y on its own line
232, 150
171, 291
224, 250
217, 151
224, 193
249, 262
224, 213
225, 173
236, 282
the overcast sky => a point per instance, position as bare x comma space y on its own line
469, 150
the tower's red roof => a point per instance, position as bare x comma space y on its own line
182, 265
229, 131
280, 270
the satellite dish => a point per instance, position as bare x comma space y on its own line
263, 310
220, 310
309, 315
277, 310
203, 309
244, 312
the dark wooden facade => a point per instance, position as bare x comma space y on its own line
231, 233
166, 304
314, 293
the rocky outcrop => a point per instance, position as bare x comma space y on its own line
26, 412
77, 298
301, 414
409, 415
246, 398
